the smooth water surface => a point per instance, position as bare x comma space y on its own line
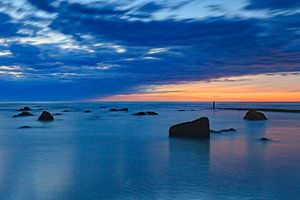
115, 155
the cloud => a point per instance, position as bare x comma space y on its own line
101, 48
274, 4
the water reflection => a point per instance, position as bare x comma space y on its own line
188, 168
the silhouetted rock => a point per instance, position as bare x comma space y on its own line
145, 113
25, 109
223, 130
198, 128
253, 115
151, 113
23, 114
140, 114
263, 139
25, 127
45, 116
116, 110
87, 111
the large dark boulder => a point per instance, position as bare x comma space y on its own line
253, 115
198, 128
45, 116
23, 114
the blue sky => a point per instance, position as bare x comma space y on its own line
87, 49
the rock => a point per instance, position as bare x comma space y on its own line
198, 128
56, 114
253, 115
25, 109
151, 113
145, 113
116, 110
45, 116
263, 139
223, 130
66, 111
181, 110
87, 111
140, 113
23, 114
25, 127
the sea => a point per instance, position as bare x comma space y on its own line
117, 155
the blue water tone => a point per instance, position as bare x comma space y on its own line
115, 155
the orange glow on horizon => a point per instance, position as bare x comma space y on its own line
257, 88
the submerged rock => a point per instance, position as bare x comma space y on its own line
181, 110
145, 113
66, 111
25, 109
198, 128
263, 139
253, 115
116, 110
151, 113
87, 111
223, 130
56, 114
139, 113
45, 116
25, 127
23, 114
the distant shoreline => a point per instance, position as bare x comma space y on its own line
264, 109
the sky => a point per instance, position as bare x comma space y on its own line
150, 50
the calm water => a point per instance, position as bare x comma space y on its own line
121, 156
